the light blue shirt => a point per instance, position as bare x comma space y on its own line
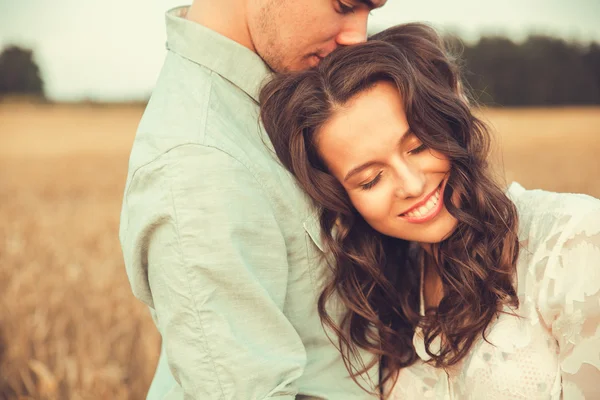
219, 241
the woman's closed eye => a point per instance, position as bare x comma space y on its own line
418, 149
371, 183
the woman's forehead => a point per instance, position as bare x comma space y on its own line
371, 113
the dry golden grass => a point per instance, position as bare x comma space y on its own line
551, 149
69, 326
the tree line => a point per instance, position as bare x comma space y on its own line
539, 71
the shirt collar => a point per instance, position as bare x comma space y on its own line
203, 46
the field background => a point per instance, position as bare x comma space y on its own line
69, 326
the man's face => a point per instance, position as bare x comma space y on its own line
294, 35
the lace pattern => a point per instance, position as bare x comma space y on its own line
553, 350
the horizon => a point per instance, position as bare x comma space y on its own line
80, 59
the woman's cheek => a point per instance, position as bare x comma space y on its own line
372, 205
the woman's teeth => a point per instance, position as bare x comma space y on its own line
426, 208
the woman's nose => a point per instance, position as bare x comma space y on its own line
410, 182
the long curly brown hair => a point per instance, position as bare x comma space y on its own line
378, 277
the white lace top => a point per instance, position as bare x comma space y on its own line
553, 352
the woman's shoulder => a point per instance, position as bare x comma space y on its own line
559, 277
551, 218
559, 260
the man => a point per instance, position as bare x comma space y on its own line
218, 240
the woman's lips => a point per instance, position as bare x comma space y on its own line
429, 209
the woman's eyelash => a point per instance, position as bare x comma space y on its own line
372, 183
418, 150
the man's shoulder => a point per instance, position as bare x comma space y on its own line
193, 105
190, 100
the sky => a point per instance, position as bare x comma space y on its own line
112, 50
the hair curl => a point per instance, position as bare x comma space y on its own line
375, 276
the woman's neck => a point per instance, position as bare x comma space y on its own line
433, 290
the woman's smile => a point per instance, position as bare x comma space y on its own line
428, 208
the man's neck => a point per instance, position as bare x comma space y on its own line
226, 17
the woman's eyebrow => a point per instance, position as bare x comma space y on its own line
358, 169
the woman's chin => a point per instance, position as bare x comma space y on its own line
439, 230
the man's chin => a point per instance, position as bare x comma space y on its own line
308, 62
302, 64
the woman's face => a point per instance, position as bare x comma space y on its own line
394, 182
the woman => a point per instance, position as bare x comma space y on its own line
460, 288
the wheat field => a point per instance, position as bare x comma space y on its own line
69, 326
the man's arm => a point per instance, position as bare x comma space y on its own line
199, 223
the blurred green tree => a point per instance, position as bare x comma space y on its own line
494, 70
591, 60
556, 73
540, 71
19, 73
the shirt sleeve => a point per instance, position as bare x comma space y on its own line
205, 238
574, 293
